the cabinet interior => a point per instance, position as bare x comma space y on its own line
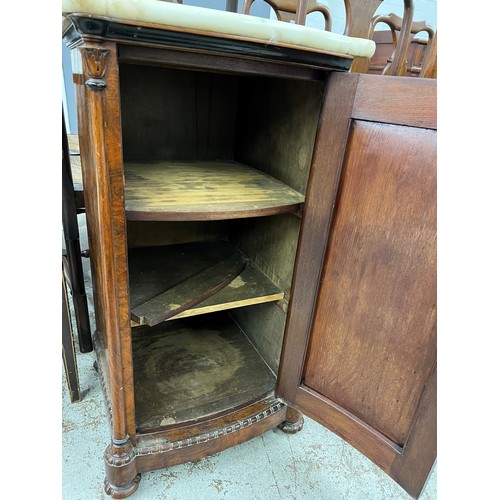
216, 170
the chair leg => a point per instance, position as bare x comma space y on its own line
79, 295
73, 250
68, 349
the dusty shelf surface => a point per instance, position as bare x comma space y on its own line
203, 190
192, 368
156, 271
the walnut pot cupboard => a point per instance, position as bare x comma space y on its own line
262, 232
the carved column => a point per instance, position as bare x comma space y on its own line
104, 201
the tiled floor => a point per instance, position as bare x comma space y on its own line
314, 464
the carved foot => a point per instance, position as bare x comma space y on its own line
293, 423
122, 491
122, 478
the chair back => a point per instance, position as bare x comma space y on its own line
359, 17
395, 24
295, 11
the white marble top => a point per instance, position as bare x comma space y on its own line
213, 22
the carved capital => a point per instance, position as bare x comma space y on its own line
94, 67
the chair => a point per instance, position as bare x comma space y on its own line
295, 11
68, 347
359, 18
427, 66
72, 204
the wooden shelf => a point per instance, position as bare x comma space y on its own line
194, 368
157, 271
203, 191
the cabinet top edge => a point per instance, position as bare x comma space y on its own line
80, 27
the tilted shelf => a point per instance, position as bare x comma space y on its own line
175, 281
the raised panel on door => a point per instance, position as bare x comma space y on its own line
365, 365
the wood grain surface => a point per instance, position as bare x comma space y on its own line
174, 115
99, 130
189, 292
329, 149
192, 368
386, 100
215, 62
154, 270
373, 341
203, 191
361, 359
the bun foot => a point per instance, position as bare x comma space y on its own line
293, 423
122, 491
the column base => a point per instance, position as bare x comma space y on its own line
122, 491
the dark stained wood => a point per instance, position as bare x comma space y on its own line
386, 100
201, 108
331, 140
411, 469
211, 62
352, 429
76, 173
192, 368
190, 292
294, 422
99, 117
73, 258
178, 445
102, 171
194, 386
203, 191
68, 348
371, 354
376, 314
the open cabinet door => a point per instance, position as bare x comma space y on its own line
359, 354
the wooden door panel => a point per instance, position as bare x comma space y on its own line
361, 359
372, 345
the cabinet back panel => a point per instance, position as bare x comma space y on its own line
277, 121
373, 338
271, 243
264, 325
170, 114
154, 233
